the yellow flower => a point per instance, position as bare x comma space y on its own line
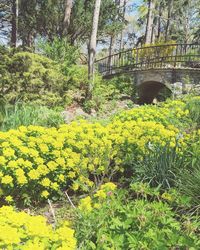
7, 179
97, 205
9, 199
45, 194
109, 186
44, 148
54, 185
8, 152
46, 182
101, 194
33, 174
12, 164
85, 204
75, 186
71, 174
61, 177
2, 160
167, 196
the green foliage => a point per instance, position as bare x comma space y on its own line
78, 84
193, 105
25, 115
61, 51
190, 185
124, 84
28, 77
190, 176
121, 223
160, 167
2, 109
149, 52
31, 78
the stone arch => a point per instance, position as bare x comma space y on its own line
149, 90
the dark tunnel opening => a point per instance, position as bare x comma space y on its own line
148, 91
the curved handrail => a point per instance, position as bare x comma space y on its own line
158, 56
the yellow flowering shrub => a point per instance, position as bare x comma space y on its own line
168, 113
38, 163
25, 232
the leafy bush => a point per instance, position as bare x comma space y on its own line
26, 114
22, 231
61, 51
31, 78
102, 91
110, 220
124, 84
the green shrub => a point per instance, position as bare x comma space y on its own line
110, 220
31, 78
61, 51
102, 91
125, 85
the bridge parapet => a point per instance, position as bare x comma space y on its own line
171, 56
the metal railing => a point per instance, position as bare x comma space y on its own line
162, 56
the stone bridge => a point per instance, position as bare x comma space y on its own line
171, 67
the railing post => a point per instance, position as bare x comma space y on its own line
176, 53
137, 56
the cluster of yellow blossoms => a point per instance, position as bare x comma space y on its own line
40, 162
171, 112
25, 232
106, 191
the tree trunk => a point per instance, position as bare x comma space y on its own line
111, 48
122, 4
170, 6
149, 25
66, 21
93, 42
159, 22
14, 22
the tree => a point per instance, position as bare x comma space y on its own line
67, 15
14, 22
170, 7
149, 23
122, 4
28, 27
93, 40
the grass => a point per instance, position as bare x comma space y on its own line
26, 114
